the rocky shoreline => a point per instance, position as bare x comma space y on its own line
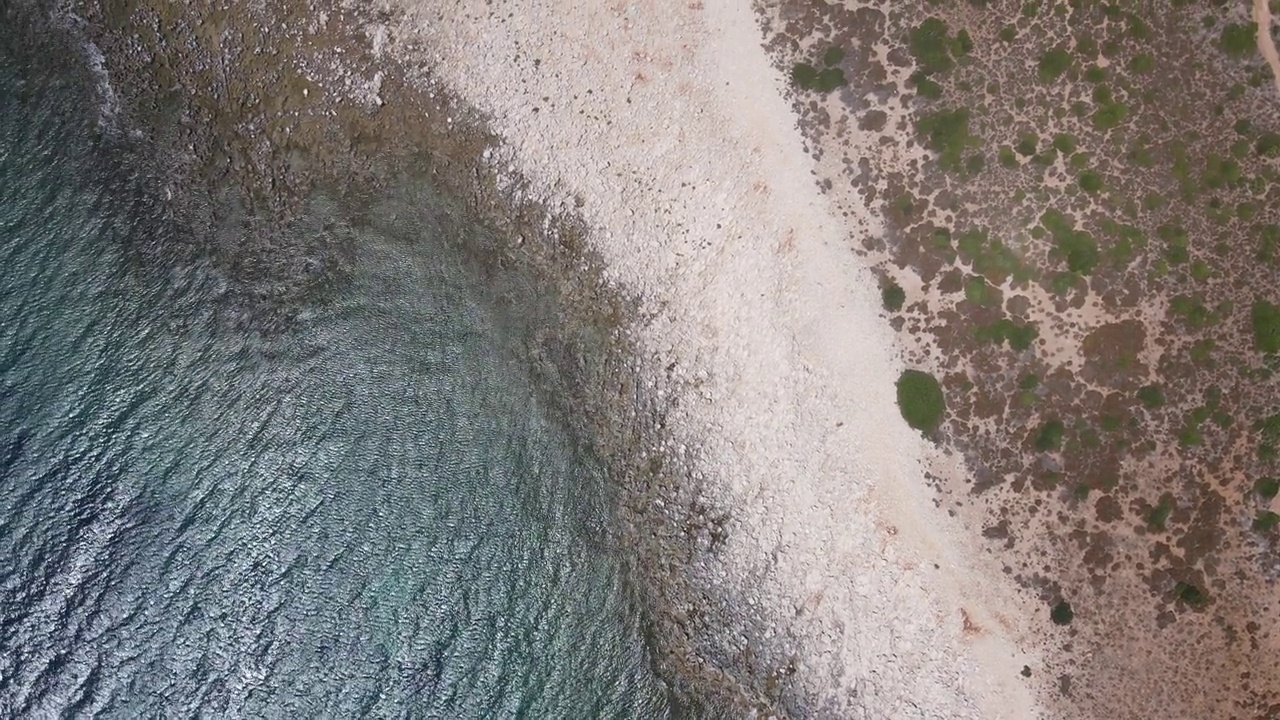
250, 110
673, 132
254, 108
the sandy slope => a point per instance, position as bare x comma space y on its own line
1266, 45
667, 129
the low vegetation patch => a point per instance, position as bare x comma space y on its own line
1077, 247
1005, 330
1159, 515
1110, 115
829, 78
1268, 430
1151, 396
1050, 436
946, 132
990, 257
1191, 595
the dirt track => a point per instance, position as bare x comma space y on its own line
1267, 46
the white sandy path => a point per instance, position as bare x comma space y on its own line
668, 122
1266, 44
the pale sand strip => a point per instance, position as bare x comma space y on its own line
1266, 44
667, 123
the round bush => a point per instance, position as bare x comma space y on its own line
920, 400
1062, 614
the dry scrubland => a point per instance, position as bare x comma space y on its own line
1084, 210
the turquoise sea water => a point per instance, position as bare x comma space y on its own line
368, 513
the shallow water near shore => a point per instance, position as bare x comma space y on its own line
365, 512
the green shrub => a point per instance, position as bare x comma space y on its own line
1191, 595
975, 290
1151, 396
946, 132
1053, 64
1081, 252
809, 77
990, 257
1138, 28
804, 75
1239, 40
1027, 144
905, 205
1078, 248
1268, 241
920, 400
1265, 318
1268, 145
1065, 143
1177, 248
1202, 351
1201, 271
1158, 518
1268, 430
1050, 436
1046, 158
1090, 181
1061, 283
1004, 330
1266, 521
925, 87
893, 297
1110, 115
1267, 488
1220, 172
1062, 614
1124, 248
974, 164
930, 43
1191, 436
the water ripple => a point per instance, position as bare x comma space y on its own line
368, 514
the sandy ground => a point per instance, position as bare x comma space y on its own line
1266, 44
665, 128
